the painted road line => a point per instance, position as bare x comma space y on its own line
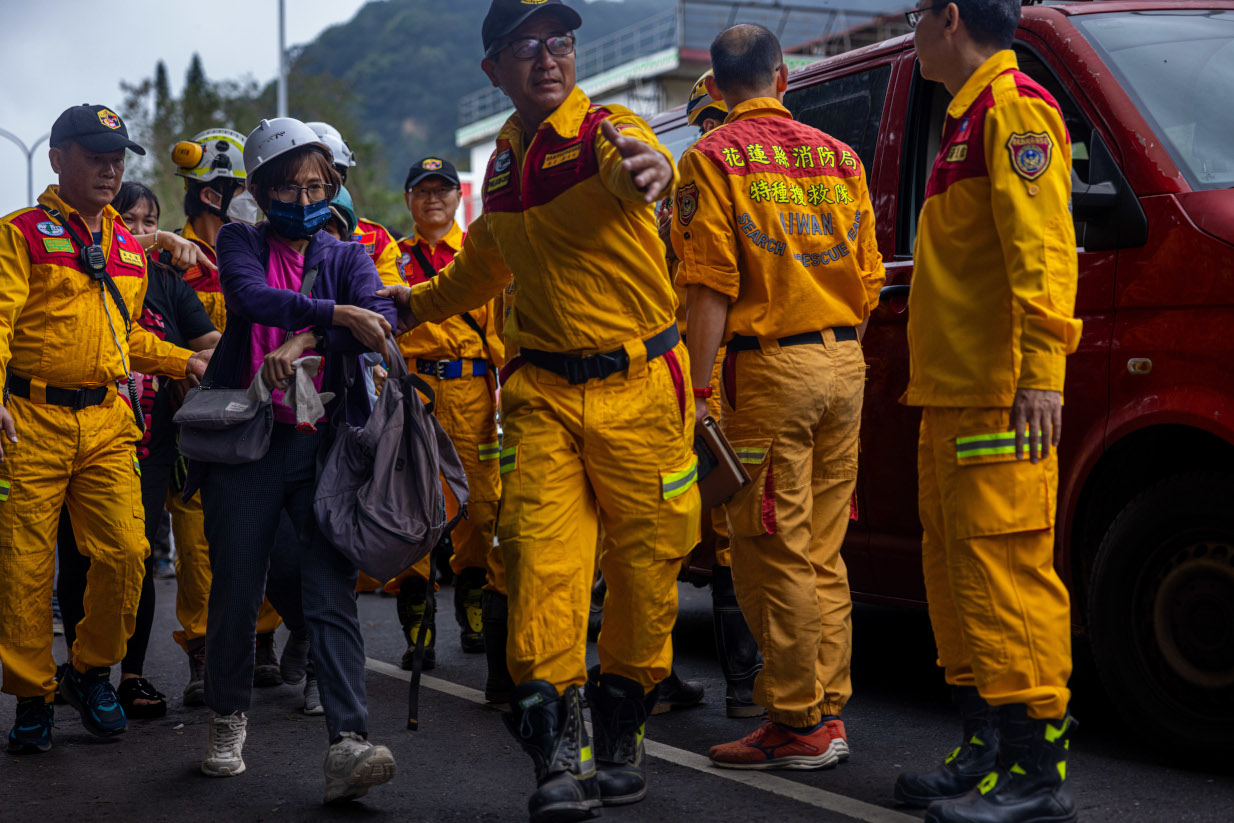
763, 781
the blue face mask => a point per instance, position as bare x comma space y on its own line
296, 222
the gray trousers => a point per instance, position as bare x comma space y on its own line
243, 506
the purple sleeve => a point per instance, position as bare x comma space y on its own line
361, 282
242, 276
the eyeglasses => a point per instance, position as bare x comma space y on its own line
290, 193
528, 48
914, 17
427, 194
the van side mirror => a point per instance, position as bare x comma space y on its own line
1107, 212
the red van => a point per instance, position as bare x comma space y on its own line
1146, 492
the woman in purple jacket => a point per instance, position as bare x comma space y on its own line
261, 270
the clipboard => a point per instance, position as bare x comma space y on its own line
720, 474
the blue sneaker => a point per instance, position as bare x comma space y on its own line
31, 733
93, 696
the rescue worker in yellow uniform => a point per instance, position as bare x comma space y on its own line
595, 407
990, 327
459, 357
72, 280
212, 165
775, 231
740, 660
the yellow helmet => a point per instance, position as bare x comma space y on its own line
212, 154
701, 100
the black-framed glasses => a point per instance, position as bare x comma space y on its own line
528, 48
440, 194
290, 192
914, 17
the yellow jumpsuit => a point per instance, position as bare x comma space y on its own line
563, 218
55, 332
188, 520
776, 216
990, 312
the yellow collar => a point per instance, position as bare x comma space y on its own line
758, 107
454, 239
998, 63
566, 120
51, 199
189, 234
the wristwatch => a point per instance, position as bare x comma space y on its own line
320, 335
704, 393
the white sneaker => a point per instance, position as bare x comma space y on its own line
227, 732
312, 698
353, 766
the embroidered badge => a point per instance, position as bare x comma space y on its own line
687, 203
563, 156
496, 182
503, 161
432, 164
130, 257
109, 118
57, 245
1031, 153
50, 229
957, 153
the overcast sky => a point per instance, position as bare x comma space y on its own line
59, 53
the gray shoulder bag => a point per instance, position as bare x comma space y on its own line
229, 426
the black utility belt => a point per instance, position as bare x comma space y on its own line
741, 342
599, 366
56, 396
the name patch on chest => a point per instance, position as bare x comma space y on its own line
563, 156
497, 182
957, 153
130, 257
57, 245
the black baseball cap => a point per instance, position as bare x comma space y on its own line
97, 128
504, 16
431, 167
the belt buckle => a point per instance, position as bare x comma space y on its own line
79, 400
578, 369
440, 369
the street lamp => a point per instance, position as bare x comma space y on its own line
29, 160
282, 81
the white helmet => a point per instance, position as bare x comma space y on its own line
210, 155
332, 138
275, 137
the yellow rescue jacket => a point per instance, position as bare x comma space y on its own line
776, 215
380, 246
563, 218
995, 265
205, 281
53, 315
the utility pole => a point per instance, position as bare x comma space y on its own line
282, 85
29, 160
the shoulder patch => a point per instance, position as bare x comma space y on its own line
503, 160
50, 229
1031, 153
687, 203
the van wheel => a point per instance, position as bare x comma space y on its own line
1161, 612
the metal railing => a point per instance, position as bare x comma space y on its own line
598, 56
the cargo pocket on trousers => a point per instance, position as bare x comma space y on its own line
677, 521
995, 493
752, 511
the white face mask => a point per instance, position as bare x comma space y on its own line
243, 209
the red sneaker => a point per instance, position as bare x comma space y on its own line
771, 746
838, 737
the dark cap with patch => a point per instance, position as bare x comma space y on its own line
504, 16
431, 167
97, 128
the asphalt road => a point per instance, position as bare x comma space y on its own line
462, 765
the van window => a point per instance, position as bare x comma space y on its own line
849, 108
678, 139
924, 129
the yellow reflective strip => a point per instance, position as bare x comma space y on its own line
985, 452
5, 486
981, 438
490, 451
750, 455
680, 482
509, 460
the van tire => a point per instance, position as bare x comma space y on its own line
1161, 613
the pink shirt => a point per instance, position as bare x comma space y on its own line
284, 271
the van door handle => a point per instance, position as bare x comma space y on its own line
892, 292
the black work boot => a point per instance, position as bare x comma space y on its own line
976, 756
468, 608
412, 603
675, 693
1030, 781
442, 552
499, 685
550, 729
618, 719
740, 659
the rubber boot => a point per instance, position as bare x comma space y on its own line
618, 720
976, 756
549, 727
740, 659
595, 616
468, 608
1030, 782
674, 693
412, 603
499, 685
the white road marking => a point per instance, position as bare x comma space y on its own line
763, 781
